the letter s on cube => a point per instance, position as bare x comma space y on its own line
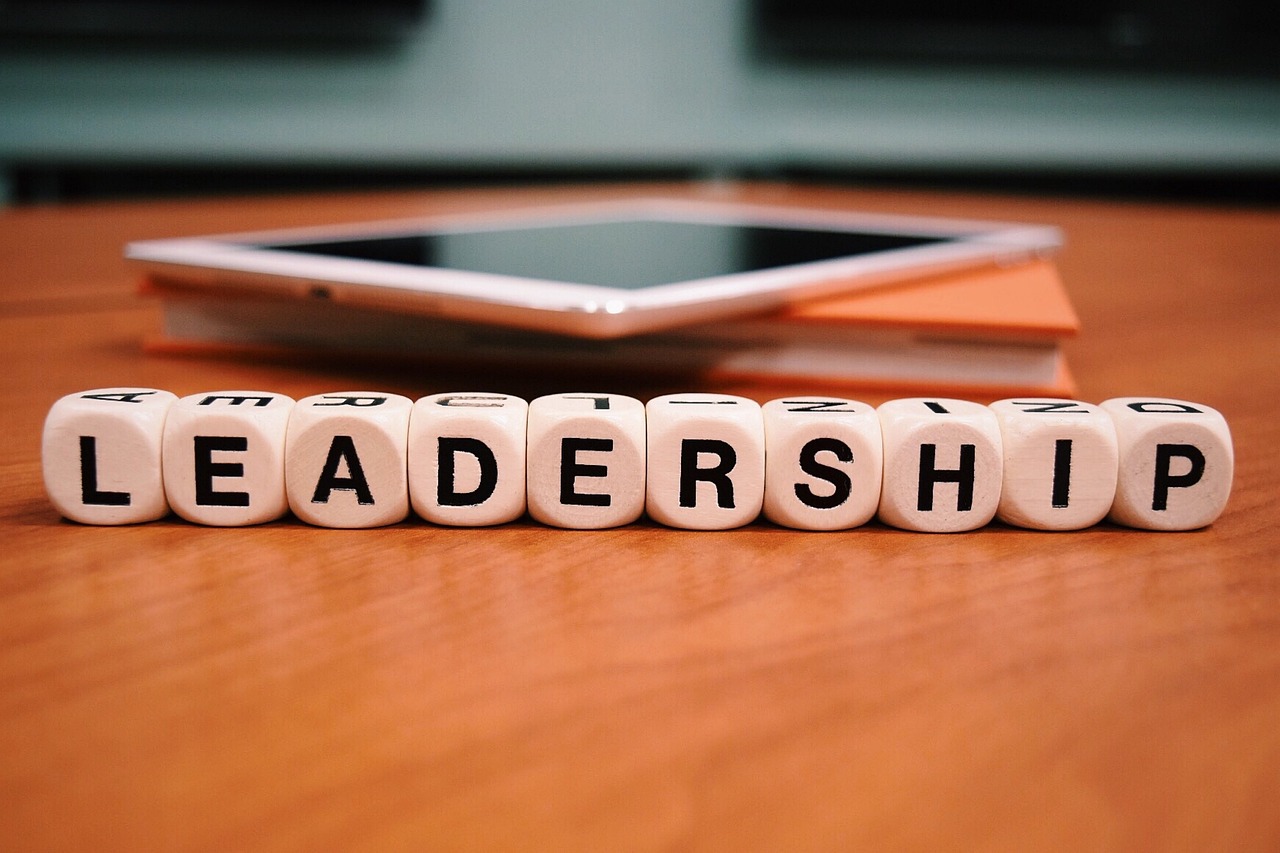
823, 463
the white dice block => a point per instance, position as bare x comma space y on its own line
224, 457
467, 458
586, 460
823, 462
345, 459
1176, 463
102, 455
942, 465
1060, 463
705, 461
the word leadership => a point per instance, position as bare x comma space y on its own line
582, 460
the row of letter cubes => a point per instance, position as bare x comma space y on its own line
696, 461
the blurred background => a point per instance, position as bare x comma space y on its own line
123, 98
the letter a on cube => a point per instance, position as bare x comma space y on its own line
102, 453
345, 459
1176, 463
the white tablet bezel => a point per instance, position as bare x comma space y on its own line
234, 261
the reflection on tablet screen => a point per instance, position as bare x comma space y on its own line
630, 254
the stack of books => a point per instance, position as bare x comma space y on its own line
984, 331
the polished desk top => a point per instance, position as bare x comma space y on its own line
174, 687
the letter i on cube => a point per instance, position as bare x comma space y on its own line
103, 455
224, 457
345, 459
705, 461
1060, 463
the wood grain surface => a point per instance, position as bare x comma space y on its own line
174, 687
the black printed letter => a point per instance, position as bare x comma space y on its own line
963, 476
207, 469
843, 486
1062, 473
447, 449
1164, 481
119, 397
358, 402
571, 469
690, 473
89, 493
1165, 408
343, 447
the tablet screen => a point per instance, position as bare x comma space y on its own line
629, 254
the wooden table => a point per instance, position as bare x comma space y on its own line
174, 687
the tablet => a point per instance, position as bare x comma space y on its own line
599, 270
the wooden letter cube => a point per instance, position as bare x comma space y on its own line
823, 462
942, 465
224, 457
345, 459
102, 455
467, 458
1060, 463
706, 461
586, 460
1176, 463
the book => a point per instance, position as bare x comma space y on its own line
988, 330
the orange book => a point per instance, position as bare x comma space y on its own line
988, 330
1025, 300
